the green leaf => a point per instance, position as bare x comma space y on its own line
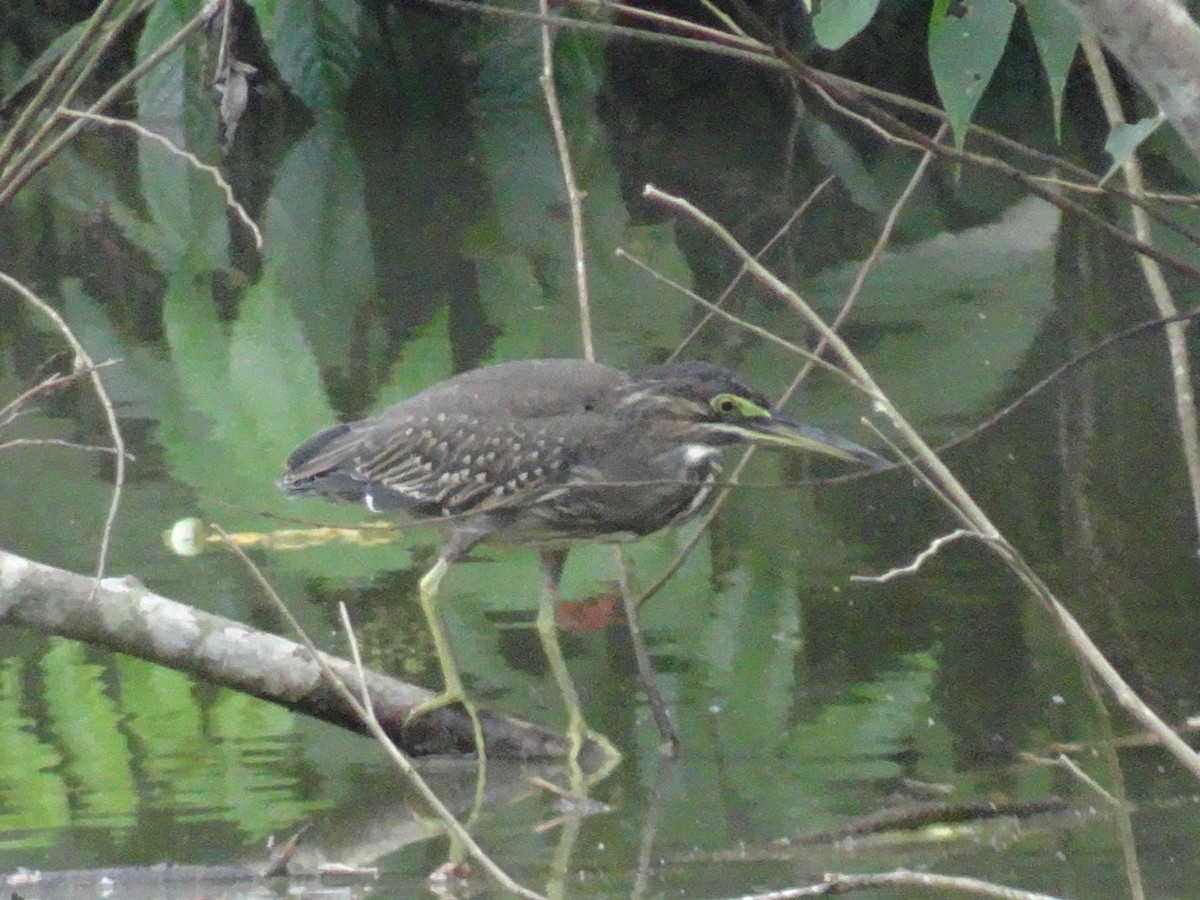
974, 301
245, 393
860, 736
85, 721
40, 67
313, 44
33, 795
1056, 33
316, 233
966, 41
426, 360
1125, 138
845, 160
837, 21
173, 101
523, 252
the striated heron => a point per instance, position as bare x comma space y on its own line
544, 453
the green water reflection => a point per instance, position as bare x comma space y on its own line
414, 227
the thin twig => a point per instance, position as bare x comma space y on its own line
574, 198
727, 20
113, 31
21, 172
963, 505
655, 807
920, 559
637, 638
881, 243
717, 307
1075, 361
58, 442
907, 460
221, 69
49, 85
356, 657
1160, 292
683, 26
865, 121
760, 55
714, 310
1122, 808
838, 883
1062, 761
212, 171
83, 360
19, 405
398, 756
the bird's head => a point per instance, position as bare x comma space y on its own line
699, 403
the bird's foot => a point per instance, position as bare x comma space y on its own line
418, 716
445, 700
610, 757
434, 703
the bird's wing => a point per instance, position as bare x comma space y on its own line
460, 464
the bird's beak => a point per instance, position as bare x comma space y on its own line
779, 430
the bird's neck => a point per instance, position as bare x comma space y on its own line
692, 462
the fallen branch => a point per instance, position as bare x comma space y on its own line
127, 617
838, 883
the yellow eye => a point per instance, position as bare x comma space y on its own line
733, 405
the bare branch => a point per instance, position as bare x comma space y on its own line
837, 883
920, 559
574, 197
212, 171
1160, 291
960, 502
83, 360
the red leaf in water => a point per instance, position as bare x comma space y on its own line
589, 614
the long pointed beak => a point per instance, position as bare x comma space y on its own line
783, 431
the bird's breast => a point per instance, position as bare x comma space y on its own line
695, 455
690, 463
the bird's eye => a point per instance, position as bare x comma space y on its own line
732, 404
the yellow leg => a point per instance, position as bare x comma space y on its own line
452, 689
577, 730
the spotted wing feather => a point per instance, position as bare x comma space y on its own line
484, 441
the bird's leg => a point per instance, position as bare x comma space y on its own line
552, 565
452, 690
